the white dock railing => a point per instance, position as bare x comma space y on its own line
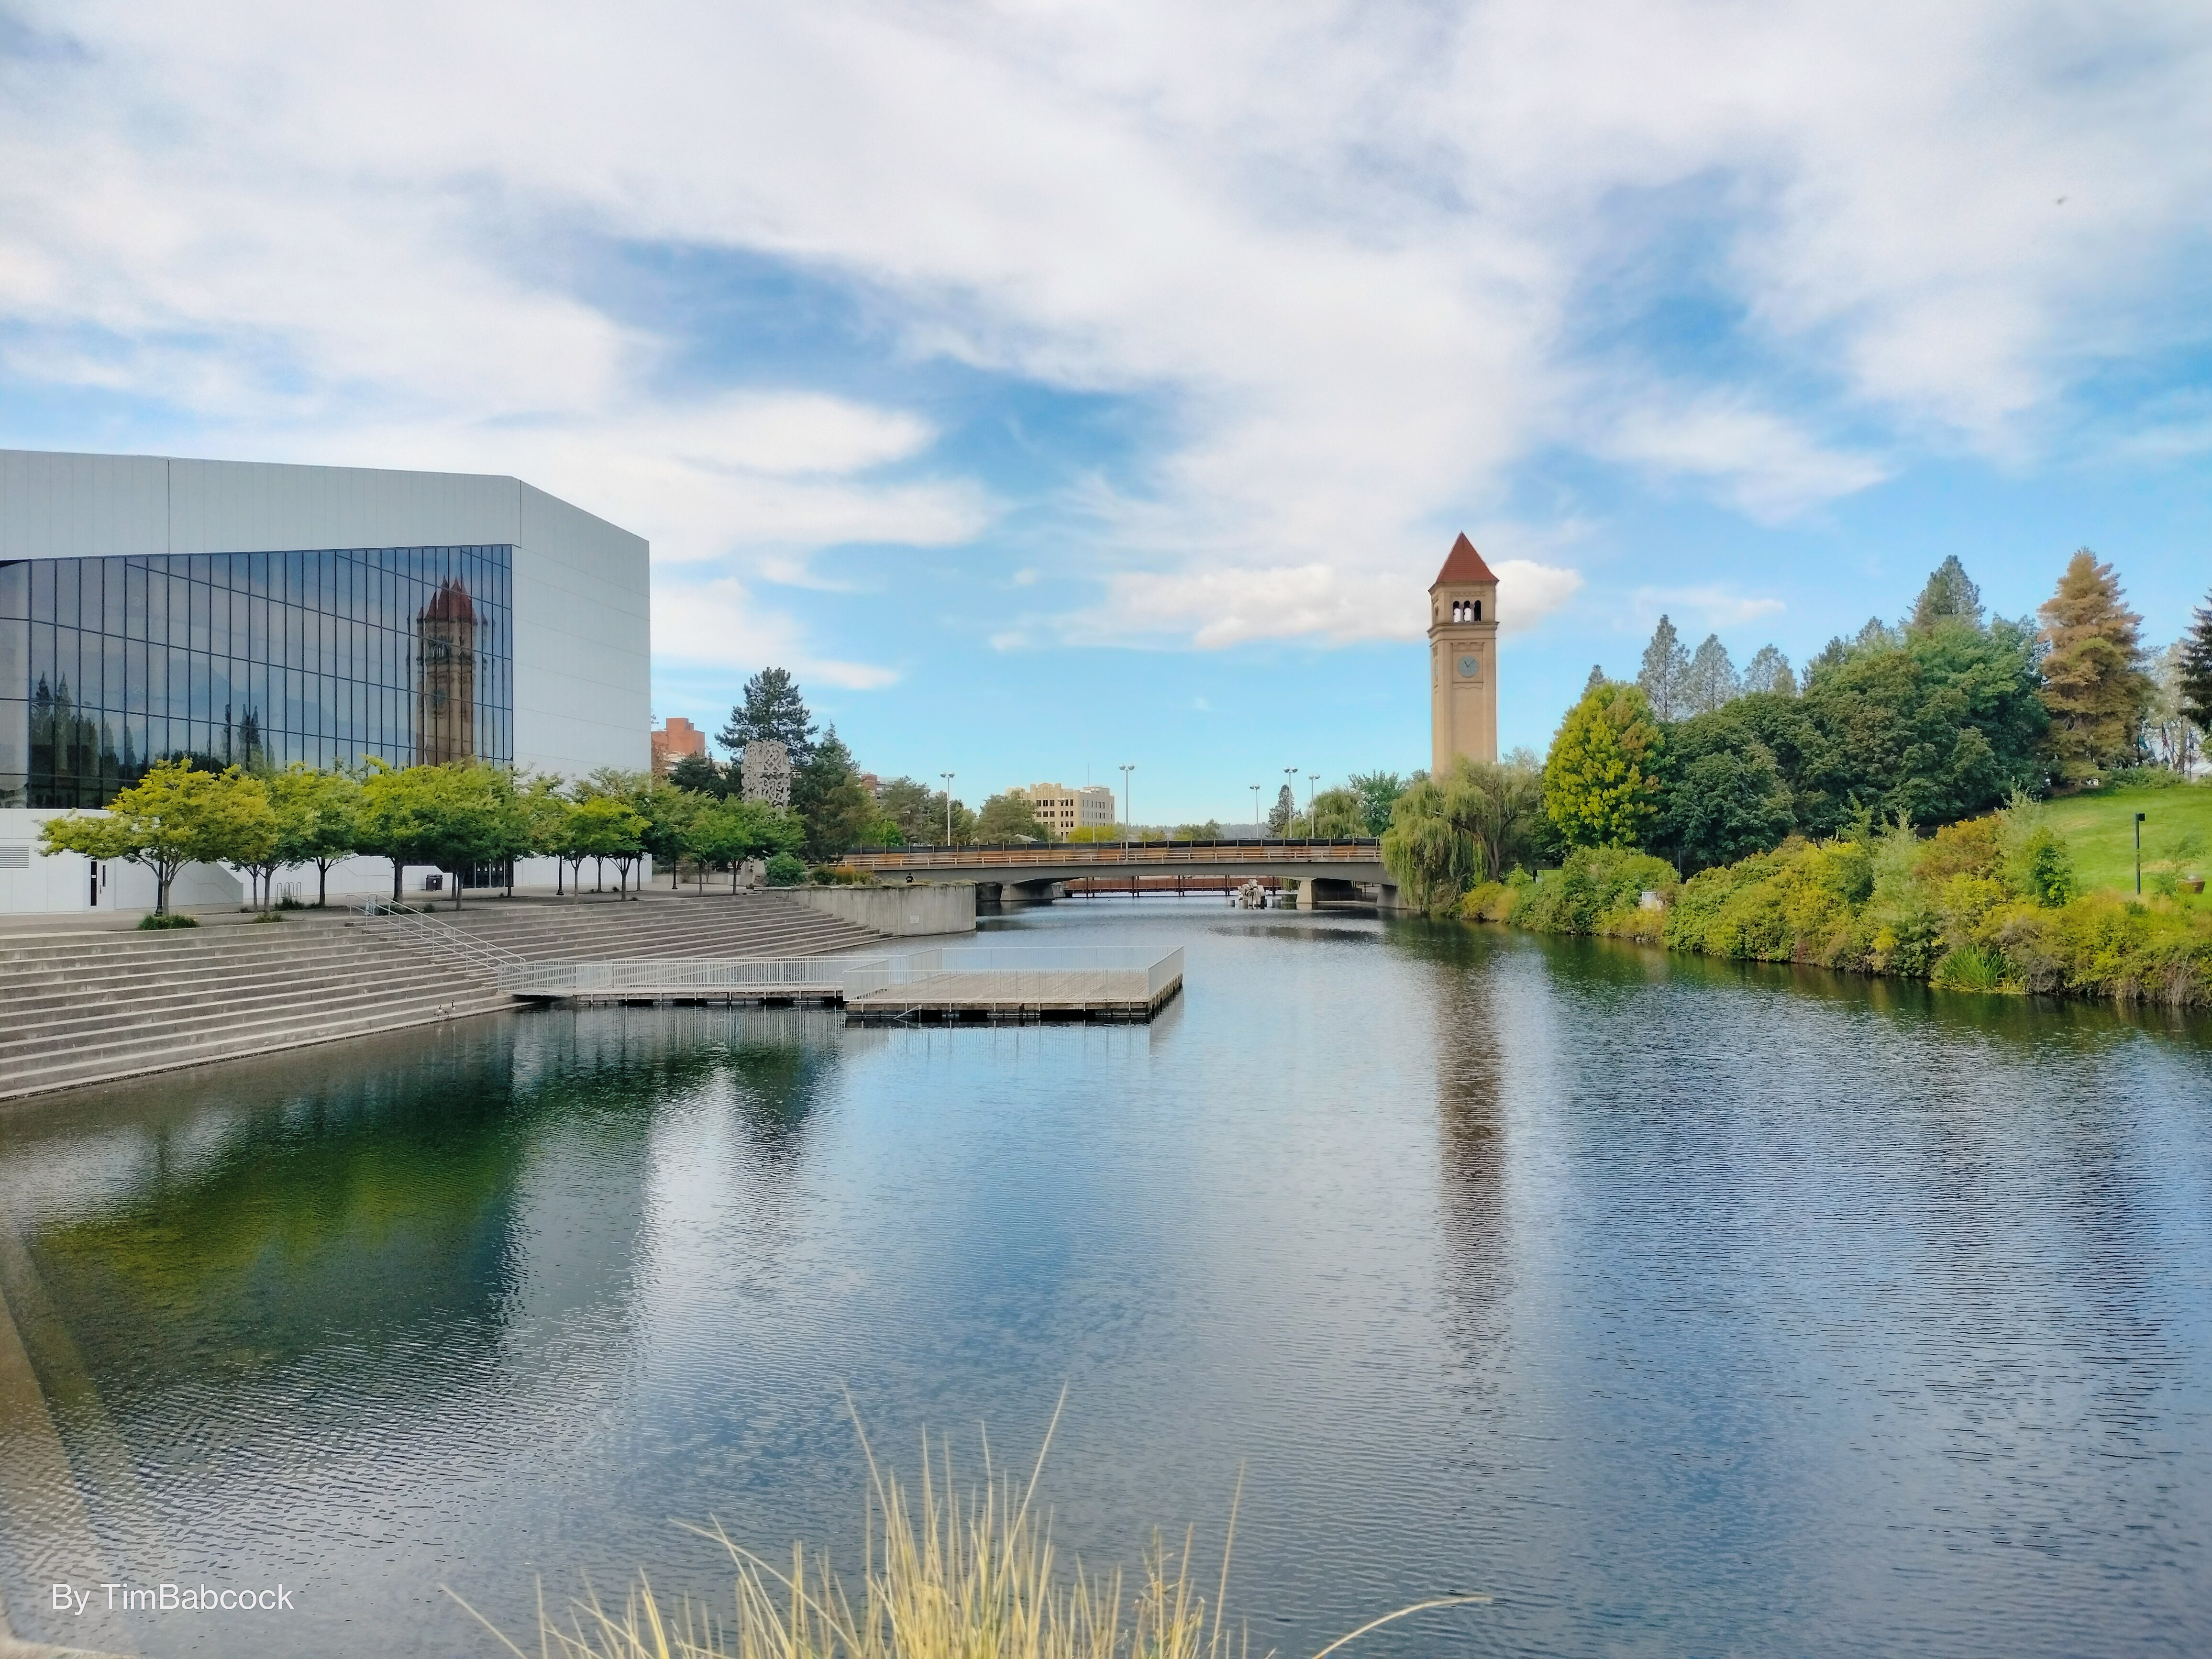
677, 975
1003, 974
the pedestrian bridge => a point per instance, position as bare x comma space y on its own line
1032, 870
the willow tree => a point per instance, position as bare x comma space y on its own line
1471, 825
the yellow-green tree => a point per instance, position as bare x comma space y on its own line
1603, 777
171, 817
317, 819
2093, 684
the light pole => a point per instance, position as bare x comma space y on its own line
2139, 824
1257, 823
1312, 778
947, 776
1128, 827
1291, 783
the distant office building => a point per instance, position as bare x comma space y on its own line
1064, 810
677, 740
250, 613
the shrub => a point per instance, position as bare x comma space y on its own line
289, 902
158, 923
1493, 900
269, 916
1597, 890
839, 875
785, 871
1972, 967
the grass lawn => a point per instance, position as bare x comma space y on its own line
2099, 829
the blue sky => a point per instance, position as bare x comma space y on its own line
1051, 387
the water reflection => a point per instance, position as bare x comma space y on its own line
1690, 1307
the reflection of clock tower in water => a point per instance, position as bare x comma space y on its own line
1462, 660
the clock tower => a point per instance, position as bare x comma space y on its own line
1462, 660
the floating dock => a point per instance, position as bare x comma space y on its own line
987, 985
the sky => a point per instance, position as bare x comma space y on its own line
1052, 387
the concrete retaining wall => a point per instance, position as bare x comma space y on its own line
898, 910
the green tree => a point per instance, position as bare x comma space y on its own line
599, 827
2092, 681
915, 808
1378, 792
1940, 725
830, 800
469, 813
671, 816
1712, 683
2194, 668
1725, 804
1471, 825
772, 708
1210, 830
172, 816
1603, 777
1009, 817
733, 832
699, 775
1664, 677
255, 834
1768, 671
318, 818
1280, 814
1950, 596
1337, 814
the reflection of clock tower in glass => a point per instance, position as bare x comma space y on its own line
1462, 660
446, 678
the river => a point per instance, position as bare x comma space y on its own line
1683, 1307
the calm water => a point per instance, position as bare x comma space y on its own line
1686, 1310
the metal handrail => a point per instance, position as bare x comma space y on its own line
444, 941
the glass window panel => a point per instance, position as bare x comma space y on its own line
257, 574
198, 569
134, 609
42, 589
65, 592
14, 658
113, 689
196, 634
115, 609
15, 588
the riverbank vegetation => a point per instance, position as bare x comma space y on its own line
946, 1576
1951, 798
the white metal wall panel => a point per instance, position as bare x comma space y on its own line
583, 641
81, 507
251, 507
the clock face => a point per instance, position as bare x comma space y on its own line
1470, 668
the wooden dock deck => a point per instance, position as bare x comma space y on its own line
989, 985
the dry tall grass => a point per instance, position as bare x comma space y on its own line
946, 1576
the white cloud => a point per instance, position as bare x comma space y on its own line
718, 623
1356, 255
1718, 606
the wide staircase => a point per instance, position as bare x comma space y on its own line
86, 1008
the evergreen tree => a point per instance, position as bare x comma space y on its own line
2093, 682
772, 709
1768, 671
830, 800
1280, 814
699, 775
1665, 674
1711, 682
2194, 669
1597, 678
1948, 596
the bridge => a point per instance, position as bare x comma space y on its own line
1033, 870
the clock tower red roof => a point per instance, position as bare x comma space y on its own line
1463, 564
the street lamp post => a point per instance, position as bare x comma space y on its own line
2139, 824
1291, 783
947, 776
1312, 778
1256, 822
1128, 826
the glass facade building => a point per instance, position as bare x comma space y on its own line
108, 665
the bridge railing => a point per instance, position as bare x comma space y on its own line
1112, 854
